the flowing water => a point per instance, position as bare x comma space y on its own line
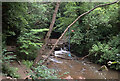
79, 69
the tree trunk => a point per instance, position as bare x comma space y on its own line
101, 5
47, 36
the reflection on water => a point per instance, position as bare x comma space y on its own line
84, 69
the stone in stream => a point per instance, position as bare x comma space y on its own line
103, 68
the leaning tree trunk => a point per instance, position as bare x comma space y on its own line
72, 24
47, 36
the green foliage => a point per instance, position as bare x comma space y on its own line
27, 63
102, 53
35, 31
43, 72
27, 23
6, 59
30, 42
10, 71
95, 27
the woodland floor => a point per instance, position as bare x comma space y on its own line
22, 70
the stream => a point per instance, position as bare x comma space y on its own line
81, 69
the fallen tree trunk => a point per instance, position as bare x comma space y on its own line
47, 36
101, 5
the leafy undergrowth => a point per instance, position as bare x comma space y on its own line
6, 69
27, 63
40, 72
104, 53
10, 71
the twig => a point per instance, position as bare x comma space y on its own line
85, 56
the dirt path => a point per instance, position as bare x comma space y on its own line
1, 77
22, 70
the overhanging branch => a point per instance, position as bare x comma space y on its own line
101, 5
